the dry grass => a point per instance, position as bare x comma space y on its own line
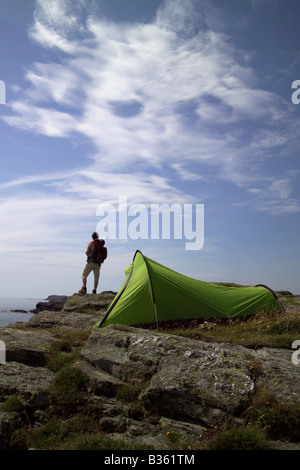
275, 329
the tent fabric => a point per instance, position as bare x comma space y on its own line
153, 293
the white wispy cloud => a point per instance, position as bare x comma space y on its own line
55, 21
276, 196
170, 108
30, 222
37, 178
166, 94
40, 120
186, 174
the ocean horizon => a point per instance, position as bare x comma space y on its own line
8, 305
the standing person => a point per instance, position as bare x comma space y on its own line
96, 254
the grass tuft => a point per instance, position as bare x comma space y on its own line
251, 437
266, 329
68, 386
280, 419
12, 404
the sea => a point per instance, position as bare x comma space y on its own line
8, 305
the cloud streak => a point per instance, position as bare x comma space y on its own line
173, 111
167, 95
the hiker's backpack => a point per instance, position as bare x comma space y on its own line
98, 252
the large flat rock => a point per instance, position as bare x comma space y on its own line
186, 379
73, 321
25, 346
30, 384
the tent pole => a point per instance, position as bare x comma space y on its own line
155, 312
276, 298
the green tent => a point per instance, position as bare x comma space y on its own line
153, 293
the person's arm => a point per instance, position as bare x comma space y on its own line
88, 249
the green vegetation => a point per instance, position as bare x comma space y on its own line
66, 349
75, 338
68, 386
73, 421
251, 437
180, 442
266, 419
275, 329
129, 393
281, 420
12, 404
80, 432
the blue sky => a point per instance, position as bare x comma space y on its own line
175, 102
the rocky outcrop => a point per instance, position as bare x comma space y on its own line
57, 297
94, 302
25, 346
183, 386
55, 304
74, 320
31, 386
185, 379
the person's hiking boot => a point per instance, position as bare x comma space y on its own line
82, 290
94, 291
